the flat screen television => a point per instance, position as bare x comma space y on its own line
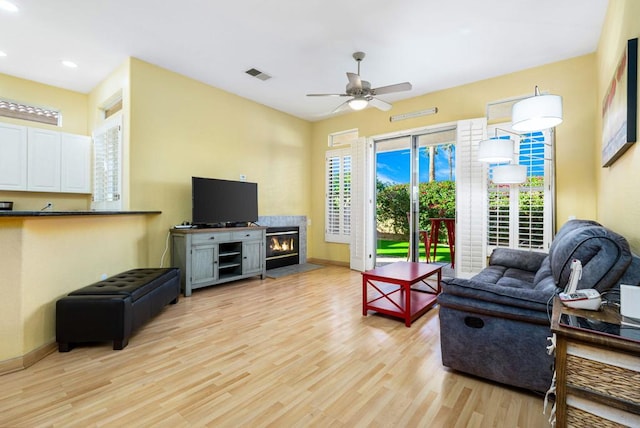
218, 202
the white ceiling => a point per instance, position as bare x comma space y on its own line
306, 45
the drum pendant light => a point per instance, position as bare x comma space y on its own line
537, 113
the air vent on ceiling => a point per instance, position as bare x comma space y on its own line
258, 74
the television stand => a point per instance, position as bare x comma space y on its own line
217, 255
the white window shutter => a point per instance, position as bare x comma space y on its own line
533, 221
499, 215
471, 198
338, 195
359, 251
107, 167
520, 216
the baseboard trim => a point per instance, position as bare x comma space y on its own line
327, 262
27, 360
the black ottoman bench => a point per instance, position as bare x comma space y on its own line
112, 309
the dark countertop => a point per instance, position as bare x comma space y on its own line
70, 213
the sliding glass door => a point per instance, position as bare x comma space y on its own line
415, 177
395, 177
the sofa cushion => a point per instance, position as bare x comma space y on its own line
517, 279
604, 254
543, 272
521, 297
568, 227
519, 259
507, 277
491, 274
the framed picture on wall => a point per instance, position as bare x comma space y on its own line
620, 107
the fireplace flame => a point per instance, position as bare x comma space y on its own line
281, 244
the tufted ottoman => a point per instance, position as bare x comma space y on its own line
112, 309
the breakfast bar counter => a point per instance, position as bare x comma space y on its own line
44, 255
71, 213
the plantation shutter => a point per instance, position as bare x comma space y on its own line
499, 215
338, 196
470, 198
361, 257
532, 221
107, 167
498, 222
521, 216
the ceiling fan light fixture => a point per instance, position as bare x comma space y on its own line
358, 103
361, 93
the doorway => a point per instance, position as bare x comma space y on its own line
415, 183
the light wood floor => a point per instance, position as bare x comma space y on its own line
288, 352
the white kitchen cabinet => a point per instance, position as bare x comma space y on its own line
13, 157
75, 163
43, 160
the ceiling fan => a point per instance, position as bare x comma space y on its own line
361, 92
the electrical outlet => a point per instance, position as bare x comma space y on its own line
49, 206
243, 177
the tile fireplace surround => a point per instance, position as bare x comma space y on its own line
290, 220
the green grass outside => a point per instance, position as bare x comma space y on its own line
400, 249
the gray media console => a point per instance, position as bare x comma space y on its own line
213, 256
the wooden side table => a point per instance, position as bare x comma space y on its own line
598, 369
395, 292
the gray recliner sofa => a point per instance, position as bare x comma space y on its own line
496, 324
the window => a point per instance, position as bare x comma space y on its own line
113, 109
342, 138
112, 106
107, 170
520, 216
31, 113
338, 196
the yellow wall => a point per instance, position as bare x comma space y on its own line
182, 128
574, 79
177, 128
73, 106
618, 190
44, 258
11, 325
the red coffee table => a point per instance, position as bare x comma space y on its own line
395, 292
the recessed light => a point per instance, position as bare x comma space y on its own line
8, 6
69, 64
2, 53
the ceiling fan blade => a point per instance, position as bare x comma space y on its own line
341, 107
379, 104
398, 87
327, 95
354, 80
